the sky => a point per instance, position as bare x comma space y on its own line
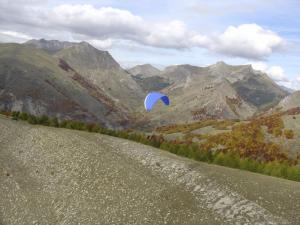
265, 33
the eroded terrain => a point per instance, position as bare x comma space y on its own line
59, 176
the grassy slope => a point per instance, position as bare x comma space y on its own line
63, 176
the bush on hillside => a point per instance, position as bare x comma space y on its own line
243, 141
289, 134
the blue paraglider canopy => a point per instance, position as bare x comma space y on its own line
152, 98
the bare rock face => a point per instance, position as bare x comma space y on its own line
290, 102
59, 176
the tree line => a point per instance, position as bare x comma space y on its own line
191, 150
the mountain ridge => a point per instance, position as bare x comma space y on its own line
37, 83
217, 91
144, 70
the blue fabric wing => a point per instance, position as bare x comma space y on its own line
152, 98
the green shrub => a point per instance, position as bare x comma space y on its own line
289, 134
54, 122
23, 116
32, 119
44, 120
15, 115
190, 150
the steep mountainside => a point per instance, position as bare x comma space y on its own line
253, 86
35, 82
147, 76
289, 102
217, 91
145, 70
104, 72
289, 90
155, 83
60, 176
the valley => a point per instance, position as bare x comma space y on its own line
221, 108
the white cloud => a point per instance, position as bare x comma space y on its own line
102, 44
259, 66
12, 36
248, 41
16, 34
275, 72
106, 23
293, 84
102, 22
173, 34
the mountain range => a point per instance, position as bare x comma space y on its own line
219, 91
78, 81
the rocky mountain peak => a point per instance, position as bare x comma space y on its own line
144, 70
50, 46
84, 55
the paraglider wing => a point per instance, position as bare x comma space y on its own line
152, 98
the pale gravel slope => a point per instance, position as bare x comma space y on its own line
59, 176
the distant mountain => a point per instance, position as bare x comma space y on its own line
84, 56
289, 102
148, 77
78, 81
289, 90
35, 82
253, 86
154, 83
217, 91
145, 70
100, 68
50, 46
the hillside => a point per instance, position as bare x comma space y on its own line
218, 91
102, 70
154, 83
145, 70
289, 102
59, 176
37, 83
148, 77
78, 81
268, 138
97, 67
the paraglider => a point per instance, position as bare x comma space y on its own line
152, 98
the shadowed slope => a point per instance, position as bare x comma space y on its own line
35, 82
